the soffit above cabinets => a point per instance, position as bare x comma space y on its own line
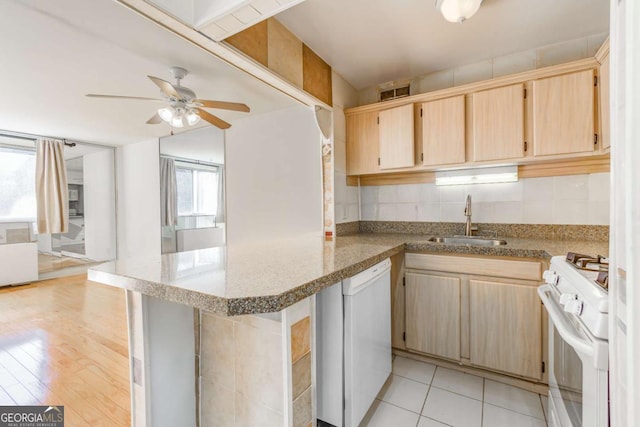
219, 19
369, 42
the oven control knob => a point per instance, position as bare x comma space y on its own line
550, 277
565, 298
574, 307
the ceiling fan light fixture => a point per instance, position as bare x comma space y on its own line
184, 108
166, 114
192, 117
178, 120
458, 11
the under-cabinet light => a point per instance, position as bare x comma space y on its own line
477, 176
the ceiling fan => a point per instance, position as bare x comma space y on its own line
184, 107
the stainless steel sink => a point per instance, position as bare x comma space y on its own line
468, 240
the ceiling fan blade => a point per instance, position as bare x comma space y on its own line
154, 120
235, 106
138, 98
166, 87
216, 121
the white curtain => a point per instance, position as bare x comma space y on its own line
52, 193
220, 217
168, 193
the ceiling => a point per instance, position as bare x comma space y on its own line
55, 52
369, 42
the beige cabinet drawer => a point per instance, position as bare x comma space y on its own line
481, 266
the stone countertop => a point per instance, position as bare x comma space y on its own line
270, 276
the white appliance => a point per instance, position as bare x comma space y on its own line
578, 346
353, 345
23, 261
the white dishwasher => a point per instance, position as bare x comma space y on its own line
361, 339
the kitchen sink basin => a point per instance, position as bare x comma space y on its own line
468, 240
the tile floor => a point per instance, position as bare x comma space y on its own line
420, 394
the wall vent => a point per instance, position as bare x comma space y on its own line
393, 90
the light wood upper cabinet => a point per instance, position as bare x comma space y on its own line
441, 131
396, 137
506, 328
432, 307
530, 118
563, 115
605, 127
362, 143
498, 123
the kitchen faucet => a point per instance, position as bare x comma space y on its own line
468, 230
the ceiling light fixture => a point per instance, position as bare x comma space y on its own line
458, 11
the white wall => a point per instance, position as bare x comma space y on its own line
138, 199
274, 184
345, 198
500, 66
99, 205
572, 199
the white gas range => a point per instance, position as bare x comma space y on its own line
576, 298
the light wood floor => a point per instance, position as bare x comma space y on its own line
64, 342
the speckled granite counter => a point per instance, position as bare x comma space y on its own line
271, 276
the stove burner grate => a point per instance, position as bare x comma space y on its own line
598, 264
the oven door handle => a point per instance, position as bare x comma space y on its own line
566, 330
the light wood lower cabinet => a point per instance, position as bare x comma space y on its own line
433, 314
457, 308
506, 327
397, 301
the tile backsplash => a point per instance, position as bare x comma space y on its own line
572, 199
346, 200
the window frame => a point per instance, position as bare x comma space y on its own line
196, 169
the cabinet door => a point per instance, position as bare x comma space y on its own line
498, 123
362, 143
506, 328
442, 128
396, 137
432, 307
603, 83
563, 114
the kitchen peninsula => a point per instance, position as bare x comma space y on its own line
241, 319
